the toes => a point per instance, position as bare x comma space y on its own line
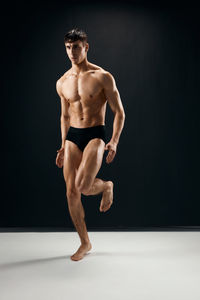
76, 258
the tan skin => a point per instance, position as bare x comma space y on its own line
84, 90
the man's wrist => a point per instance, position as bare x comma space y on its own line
114, 141
63, 143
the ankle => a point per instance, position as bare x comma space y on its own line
85, 242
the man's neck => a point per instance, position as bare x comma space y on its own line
80, 68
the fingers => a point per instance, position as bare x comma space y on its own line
60, 157
59, 160
60, 150
110, 156
59, 164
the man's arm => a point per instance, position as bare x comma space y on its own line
113, 97
65, 117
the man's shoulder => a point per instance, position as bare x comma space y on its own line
102, 73
99, 69
106, 77
62, 78
60, 81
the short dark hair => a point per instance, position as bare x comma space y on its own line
75, 34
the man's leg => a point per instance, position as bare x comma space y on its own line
72, 159
85, 180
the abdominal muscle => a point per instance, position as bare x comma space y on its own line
82, 121
87, 117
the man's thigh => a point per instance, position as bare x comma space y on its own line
72, 159
91, 162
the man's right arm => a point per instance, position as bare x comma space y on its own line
65, 117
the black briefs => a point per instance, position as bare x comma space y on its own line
81, 136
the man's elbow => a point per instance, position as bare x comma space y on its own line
120, 114
64, 118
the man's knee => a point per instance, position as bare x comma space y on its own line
73, 195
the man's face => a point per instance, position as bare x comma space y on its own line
76, 51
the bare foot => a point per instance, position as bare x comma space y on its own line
107, 198
82, 250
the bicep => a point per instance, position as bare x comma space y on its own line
112, 94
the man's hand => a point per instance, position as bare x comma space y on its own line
112, 148
60, 157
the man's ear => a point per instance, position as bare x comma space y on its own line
86, 46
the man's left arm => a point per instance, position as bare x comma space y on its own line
113, 97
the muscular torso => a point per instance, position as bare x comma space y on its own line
84, 93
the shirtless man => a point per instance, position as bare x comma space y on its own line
84, 91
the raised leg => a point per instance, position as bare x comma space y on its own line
86, 181
90, 165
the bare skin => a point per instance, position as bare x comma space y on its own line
84, 90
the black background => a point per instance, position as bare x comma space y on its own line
152, 50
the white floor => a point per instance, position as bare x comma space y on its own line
120, 266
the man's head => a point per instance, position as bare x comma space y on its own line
76, 45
